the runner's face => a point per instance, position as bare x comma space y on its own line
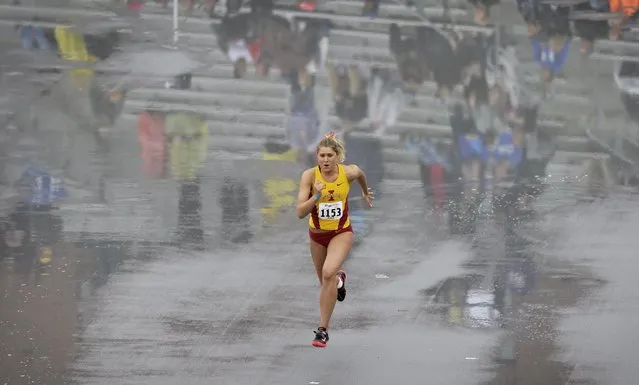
326, 158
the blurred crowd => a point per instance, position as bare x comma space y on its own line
493, 142
492, 149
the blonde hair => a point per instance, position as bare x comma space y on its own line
331, 141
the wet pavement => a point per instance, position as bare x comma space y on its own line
136, 280
545, 303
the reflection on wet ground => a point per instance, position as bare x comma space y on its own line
39, 277
132, 312
522, 294
205, 278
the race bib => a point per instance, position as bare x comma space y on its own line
330, 211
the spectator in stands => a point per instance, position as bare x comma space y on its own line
439, 49
317, 50
367, 152
476, 95
626, 10
411, 60
102, 45
136, 5
152, 142
504, 152
232, 7
451, 58
236, 40
262, 6
303, 124
385, 99
187, 143
529, 10
551, 55
348, 88
472, 51
506, 90
33, 37
482, 10
549, 29
370, 8
291, 49
307, 5
554, 20
437, 166
106, 102
550, 19
589, 30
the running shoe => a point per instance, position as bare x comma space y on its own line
321, 338
341, 291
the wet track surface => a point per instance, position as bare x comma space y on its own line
175, 290
552, 302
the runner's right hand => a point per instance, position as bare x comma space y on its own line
318, 187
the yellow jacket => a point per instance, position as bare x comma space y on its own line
279, 192
188, 143
72, 47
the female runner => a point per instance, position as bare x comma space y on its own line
323, 194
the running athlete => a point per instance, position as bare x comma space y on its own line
323, 194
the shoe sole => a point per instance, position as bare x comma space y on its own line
319, 344
342, 274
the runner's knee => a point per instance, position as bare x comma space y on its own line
329, 273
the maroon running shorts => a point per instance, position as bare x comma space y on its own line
324, 237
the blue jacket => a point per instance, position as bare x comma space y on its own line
549, 59
470, 147
41, 187
427, 153
505, 150
33, 37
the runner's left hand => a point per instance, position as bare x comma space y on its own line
369, 197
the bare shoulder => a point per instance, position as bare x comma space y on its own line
308, 174
352, 171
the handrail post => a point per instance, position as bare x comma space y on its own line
176, 31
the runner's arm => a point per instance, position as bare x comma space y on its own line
304, 203
353, 172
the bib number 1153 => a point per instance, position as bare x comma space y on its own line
330, 211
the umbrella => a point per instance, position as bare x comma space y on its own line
153, 64
97, 27
19, 60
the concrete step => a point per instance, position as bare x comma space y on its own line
344, 16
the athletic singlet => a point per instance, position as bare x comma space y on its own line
331, 211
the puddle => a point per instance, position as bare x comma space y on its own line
509, 289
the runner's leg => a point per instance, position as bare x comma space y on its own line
318, 253
336, 254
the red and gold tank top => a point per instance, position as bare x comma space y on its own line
331, 211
